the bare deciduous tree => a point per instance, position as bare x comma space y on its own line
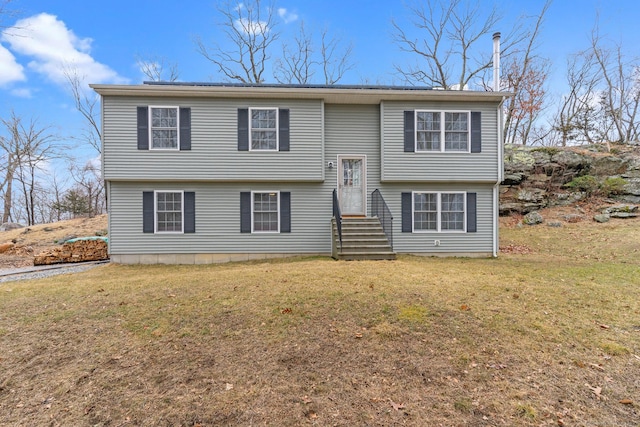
87, 104
603, 97
336, 60
300, 62
90, 185
525, 75
158, 69
620, 94
251, 30
528, 101
24, 151
576, 116
297, 63
446, 49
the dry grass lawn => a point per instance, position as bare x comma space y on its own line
547, 334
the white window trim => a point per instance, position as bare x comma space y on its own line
439, 212
442, 131
277, 129
155, 211
177, 108
252, 213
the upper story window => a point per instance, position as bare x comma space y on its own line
164, 125
264, 129
442, 131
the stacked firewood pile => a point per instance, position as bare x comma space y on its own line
77, 250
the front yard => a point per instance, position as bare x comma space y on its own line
547, 334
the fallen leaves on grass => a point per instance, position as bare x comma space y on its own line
465, 307
286, 310
397, 406
597, 391
515, 249
626, 402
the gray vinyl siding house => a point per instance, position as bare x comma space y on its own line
202, 173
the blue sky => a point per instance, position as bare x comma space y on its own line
102, 39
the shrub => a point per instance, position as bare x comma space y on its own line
547, 150
613, 185
587, 183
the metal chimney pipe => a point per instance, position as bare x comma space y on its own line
496, 62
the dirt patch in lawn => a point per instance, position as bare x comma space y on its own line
550, 337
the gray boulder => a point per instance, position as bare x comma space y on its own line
608, 166
533, 218
571, 160
632, 186
623, 215
7, 226
601, 218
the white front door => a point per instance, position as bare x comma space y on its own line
352, 184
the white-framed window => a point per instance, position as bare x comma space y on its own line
442, 131
263, 129
265, 211
164, 125
169, 211
439, 211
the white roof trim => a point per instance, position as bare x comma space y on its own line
329, 95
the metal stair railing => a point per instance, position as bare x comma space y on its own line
336, 214
380, 209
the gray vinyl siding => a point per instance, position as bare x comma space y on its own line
353, 129
214, 151
218, 220
218, 173
445, 167
450, 242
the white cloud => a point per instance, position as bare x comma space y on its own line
251, 27
22, 93
10, 70
53, 48
287, 16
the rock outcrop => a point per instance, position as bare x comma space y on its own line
540, 177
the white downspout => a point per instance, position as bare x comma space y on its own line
500, 178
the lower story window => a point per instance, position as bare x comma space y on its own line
169, 211
265, 212
439, 211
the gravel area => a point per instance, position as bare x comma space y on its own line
42, 272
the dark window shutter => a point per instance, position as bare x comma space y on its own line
143, 128
409, 131
476, 132
185, 128
245, 212
472, 221
189, 212
407, 216
285, 212
243, 129
283, 124
148, 212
